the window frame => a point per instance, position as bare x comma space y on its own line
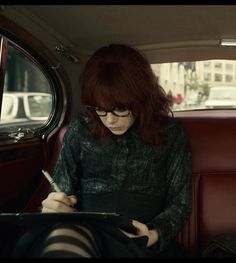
57, 77
3, 66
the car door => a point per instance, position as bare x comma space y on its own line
32, 111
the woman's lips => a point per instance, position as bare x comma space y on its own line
114, 128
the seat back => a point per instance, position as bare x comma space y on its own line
213, 150
213, 180
42, 191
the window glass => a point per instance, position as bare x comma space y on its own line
39, 105
229, 67
229, 78
218, 65
27, 97
192, 85
218, 77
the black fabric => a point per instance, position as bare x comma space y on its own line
30, 242
61, 254
10, 234
222, 245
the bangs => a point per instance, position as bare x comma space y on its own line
108, 89
107, 97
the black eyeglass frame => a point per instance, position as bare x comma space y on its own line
95, 109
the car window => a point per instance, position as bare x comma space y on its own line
199, 85
27, 96
38, 105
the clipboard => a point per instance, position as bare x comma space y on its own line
38, 218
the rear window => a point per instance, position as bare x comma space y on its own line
199, 85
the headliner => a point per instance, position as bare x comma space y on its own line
164, 32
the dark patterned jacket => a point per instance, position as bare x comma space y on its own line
123, 174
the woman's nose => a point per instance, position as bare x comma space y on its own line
111, 118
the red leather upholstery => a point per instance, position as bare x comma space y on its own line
42, 191
213, 147
57, 147
217, 205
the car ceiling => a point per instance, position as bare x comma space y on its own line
163, 32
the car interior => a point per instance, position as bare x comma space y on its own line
55, 41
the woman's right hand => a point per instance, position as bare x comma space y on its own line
59, 202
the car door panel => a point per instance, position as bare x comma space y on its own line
20, 173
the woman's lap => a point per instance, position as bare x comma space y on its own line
110, 241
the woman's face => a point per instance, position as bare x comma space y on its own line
117, 125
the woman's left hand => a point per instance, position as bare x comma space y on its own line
142, 230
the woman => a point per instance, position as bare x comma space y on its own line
124, 153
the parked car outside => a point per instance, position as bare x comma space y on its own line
25, 108
221, 97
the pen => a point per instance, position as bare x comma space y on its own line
52, 183
49, 178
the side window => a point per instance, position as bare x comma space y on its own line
27, 94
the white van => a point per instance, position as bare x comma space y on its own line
221, 97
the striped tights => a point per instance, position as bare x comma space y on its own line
70, 241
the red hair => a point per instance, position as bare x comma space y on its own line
119, 76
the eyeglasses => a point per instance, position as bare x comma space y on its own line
119, 112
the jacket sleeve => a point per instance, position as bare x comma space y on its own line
178, 203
